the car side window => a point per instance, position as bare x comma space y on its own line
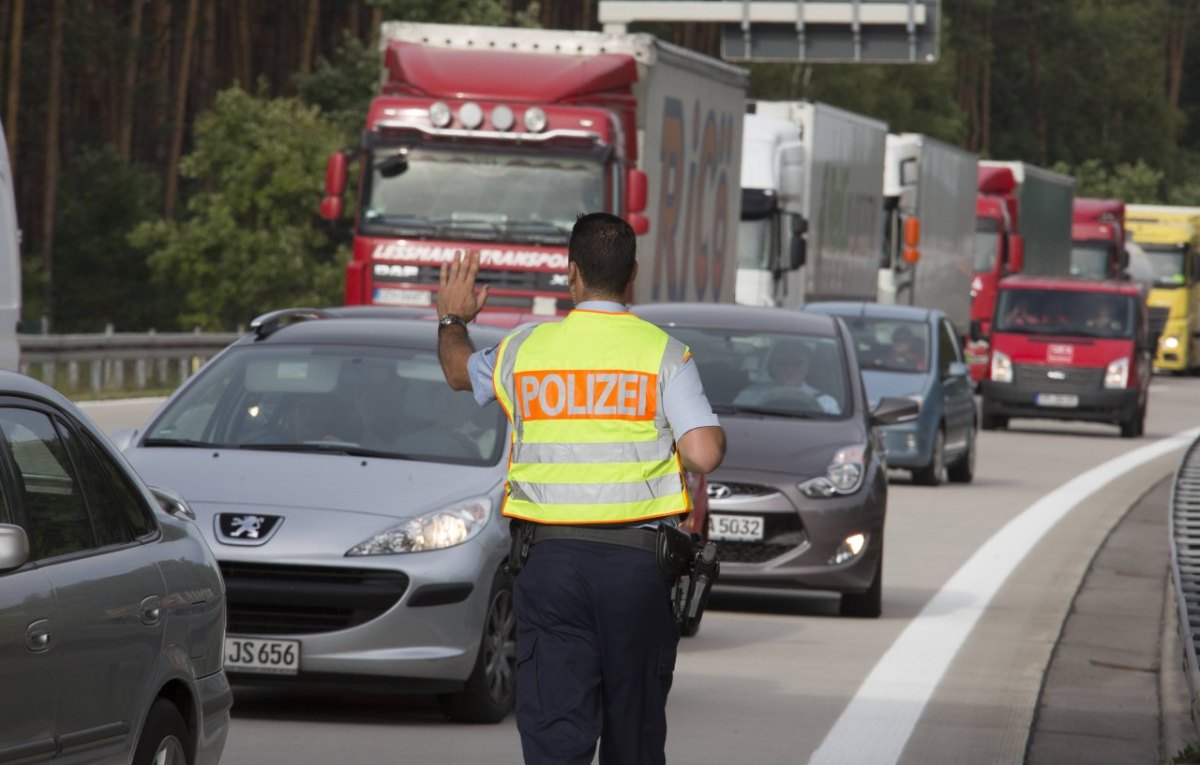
947, 348
6, 513
116, 515
58, 520
127, 500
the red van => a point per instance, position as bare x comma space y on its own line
1069, 349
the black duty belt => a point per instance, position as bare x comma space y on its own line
641, 539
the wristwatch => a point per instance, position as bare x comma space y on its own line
449, 319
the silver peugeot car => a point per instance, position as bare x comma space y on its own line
112, 614
353, 502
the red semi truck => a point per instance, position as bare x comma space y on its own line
497, 139
1022, 225
1098, 239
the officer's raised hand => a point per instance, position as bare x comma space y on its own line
456, 287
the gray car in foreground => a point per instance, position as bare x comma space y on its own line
801, 498
112, 611
353, 501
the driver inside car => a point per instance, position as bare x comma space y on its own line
788, 368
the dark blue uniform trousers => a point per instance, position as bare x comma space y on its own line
596, 647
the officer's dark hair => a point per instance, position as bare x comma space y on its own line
604, 248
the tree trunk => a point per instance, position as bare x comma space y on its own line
160, 70
11, 118
1033, 52
246, 47
308, 43
986, 96
50, 189
181, 102
209, 81
1178, 18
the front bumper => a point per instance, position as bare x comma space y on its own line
1099, 405
801, 535
424, 638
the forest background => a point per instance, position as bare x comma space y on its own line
169, 154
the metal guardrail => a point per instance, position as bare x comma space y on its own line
1185, 564
118, 362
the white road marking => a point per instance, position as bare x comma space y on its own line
878, 721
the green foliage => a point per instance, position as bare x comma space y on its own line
98, 279
342, 88
482, 12
252, 240
1137, 183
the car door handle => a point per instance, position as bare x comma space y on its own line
150, 611
37, 635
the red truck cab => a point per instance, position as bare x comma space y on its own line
1068, 349
999, 251
1098, 239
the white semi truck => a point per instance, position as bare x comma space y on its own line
812, 180
929, 226
10, 264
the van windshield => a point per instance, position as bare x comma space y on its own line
1168, 264
1066, 312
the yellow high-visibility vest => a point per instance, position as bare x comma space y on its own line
590, 439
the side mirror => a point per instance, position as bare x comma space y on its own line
958, 369
798, 252
335, 186
1016, 254
635, 191
14, 547
123, 438
638, 222
892, 410
172, 503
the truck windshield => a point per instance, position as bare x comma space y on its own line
1065, 312
489, 196
987, 244
756, 243
1167, 261
1089, 259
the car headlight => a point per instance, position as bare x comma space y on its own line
449, 526
1001, 367
1170, 343
843, 476
1116, 374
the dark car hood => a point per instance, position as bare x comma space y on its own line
800, 448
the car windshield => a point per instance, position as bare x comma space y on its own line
1167, 261
890, 345
384, 402
516, 197
987, 244
756, 242
1089, 260
785, 375
1065, 312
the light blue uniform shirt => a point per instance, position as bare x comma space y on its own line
684, 403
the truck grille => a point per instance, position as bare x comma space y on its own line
268, 599
781, 535
1050, 379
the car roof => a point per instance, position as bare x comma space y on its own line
1074, 284
386, 327
737, 317
23, 385
875, 310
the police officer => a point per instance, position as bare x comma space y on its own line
607, 413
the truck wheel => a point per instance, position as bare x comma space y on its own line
491, 689
866, 605
1135, 425
164, 738
963, 470
931, 474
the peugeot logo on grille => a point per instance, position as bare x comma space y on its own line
719, 491
1055, 374
246, 528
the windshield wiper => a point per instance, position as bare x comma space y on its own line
324, 447
471, 226
403, 223
743, 409
184, 442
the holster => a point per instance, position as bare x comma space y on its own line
520, 538
674, 551
691, 570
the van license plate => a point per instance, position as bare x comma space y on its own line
735, 528
403, 297
1061, 400
274, 657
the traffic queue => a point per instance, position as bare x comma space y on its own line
843, 304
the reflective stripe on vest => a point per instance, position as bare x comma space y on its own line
590, 440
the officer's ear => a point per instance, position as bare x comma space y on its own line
633, 273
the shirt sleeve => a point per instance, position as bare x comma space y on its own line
684, 403
480, 367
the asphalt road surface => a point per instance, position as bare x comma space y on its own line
977, 582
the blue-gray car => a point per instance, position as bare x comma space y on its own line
353, 503
913, 352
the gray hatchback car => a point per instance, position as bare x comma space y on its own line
112, 609
353, 501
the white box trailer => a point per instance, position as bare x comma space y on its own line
933, 184
812, 180
10, 264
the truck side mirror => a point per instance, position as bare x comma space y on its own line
798, 253
1016, 253
635, 192
335, 186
